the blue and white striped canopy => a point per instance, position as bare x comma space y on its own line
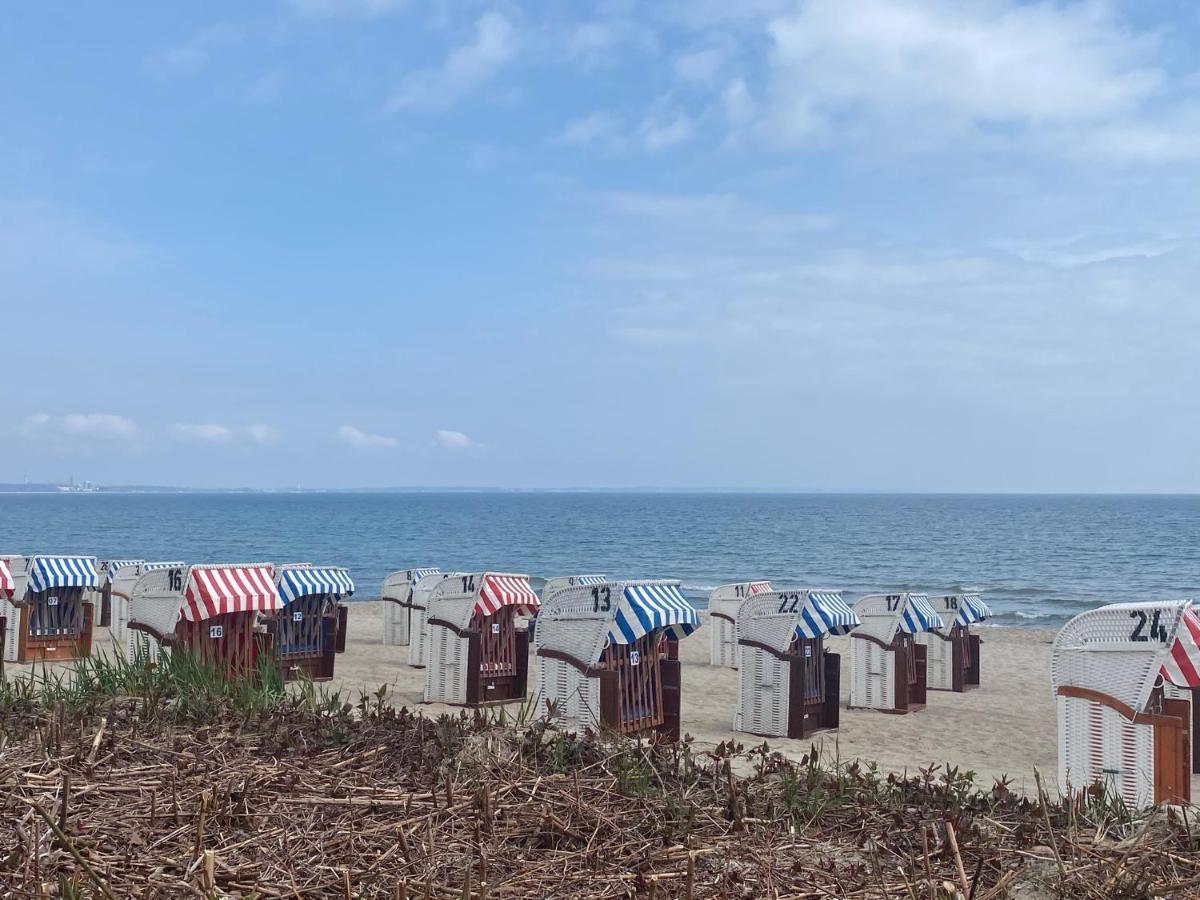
591, 579
418, 574
62, 571
296, 583
919, 616
826, 613
644, 608
115, 565
152, 566
971, 609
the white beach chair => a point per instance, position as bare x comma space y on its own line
887, 666
609, 656
121, 589
418, 634
788, 684
723, 605
49, 614
1117, 725
211, 610
477, 655
311, 627
115, 579
397, 597
953, 655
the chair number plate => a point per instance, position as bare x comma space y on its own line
216, 631
635, 658
495, 628
808, 652
297, 617
52, 601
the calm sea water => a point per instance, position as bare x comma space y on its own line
1038, 559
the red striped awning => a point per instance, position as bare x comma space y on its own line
7, 585
759, 587
216, 590
1182, 667
505, 590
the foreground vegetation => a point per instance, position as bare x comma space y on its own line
123, 780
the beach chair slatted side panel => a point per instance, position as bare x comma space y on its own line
53, 609
723, 605
418, 634
305, 630
8, 612
118, 577
788, 683
397, 597
888, 667
606, 659
477, 655
1117, 725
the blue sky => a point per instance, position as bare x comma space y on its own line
897, 245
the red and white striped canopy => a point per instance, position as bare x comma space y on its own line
505, 590
759, 587
1182, 667
7, 585
216, 590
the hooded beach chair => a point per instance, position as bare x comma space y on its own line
210, 610
121, 577
788, 684
398, 610
557, 583
887, 665
477, 655
49, 615
1117, 722
311, 627
107, 571
608, 656
953, 656
723, 605
7, 610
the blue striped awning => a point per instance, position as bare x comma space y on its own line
971, 609
826, 613
296, 583
644, 608
591, 579
62, 571
115, 565
152, 566
418, 574
918, 615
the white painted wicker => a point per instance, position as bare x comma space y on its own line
418, 629
122, 586
1117, 651
873, 668
12, 609
397, 618
154, 601
723, 605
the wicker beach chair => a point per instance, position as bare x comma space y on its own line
557, 583
788, 684
887, 666
477, 655
7, 610
114, 575
49, 615
952, 654
397, 597
1117, 724
211, 610
723, 605
608, 656
120, 589
311, 627
418, 635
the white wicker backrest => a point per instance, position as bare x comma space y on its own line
1117, 649
157, 598
739, 590
399, 584
125, 578
422, 590
563, 581
453, 598
774, 618
881, 614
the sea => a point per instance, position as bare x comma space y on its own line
1037, 559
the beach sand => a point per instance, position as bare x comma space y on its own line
1004, 727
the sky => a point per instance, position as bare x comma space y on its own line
923, 245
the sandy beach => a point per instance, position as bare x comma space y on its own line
1006, 726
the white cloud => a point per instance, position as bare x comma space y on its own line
194, 53
34, 236
208, 433
600, 127
700, 66
454, 440
663, 125
368, 9
465, 70
356, 437
262, 434
98, 425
